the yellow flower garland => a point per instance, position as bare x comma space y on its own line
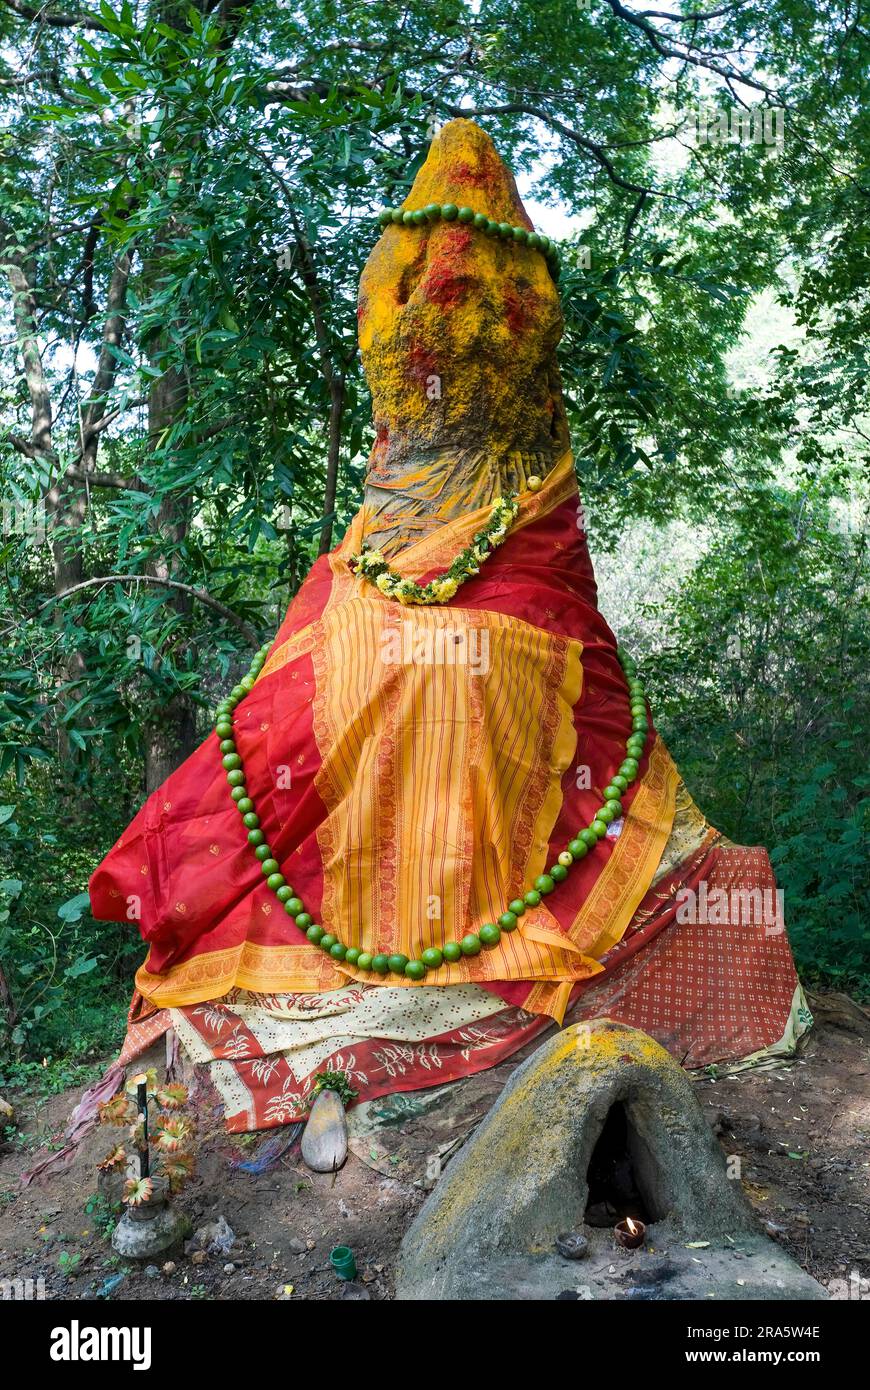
372, 565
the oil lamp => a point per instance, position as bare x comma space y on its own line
629, 1233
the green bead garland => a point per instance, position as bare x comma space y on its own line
449, 212
489, 935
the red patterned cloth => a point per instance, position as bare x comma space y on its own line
719, 991
713, 992
710, 993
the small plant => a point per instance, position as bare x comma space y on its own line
337, 1081
172, 1097
115, 1159
170, 1132
102, 1212
177, 1168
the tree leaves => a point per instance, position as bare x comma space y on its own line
73, 910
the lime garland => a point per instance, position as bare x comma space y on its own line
489, 935
373, 566
449, 212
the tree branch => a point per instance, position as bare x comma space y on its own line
664, 50
25, 316
695, 18
632, 219
590, 147
29, 450
99, 479
205, 598
107, 363
285, 91
56, 21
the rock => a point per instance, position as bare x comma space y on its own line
324, 1142
169, 1268
198, 1257
572, 1245
143, 1240
214, 1238
299, 1247
543, 1146
110, 1185
840, 1011
354, 1293
229, 1269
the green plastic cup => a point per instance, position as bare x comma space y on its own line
343, 1262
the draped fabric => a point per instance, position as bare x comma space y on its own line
413, 770
722, 992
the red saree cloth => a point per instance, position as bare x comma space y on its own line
185, 874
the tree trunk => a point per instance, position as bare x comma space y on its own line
7, 1003
170, 736
336, 411
65, 502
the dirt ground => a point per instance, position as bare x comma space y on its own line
800, 1130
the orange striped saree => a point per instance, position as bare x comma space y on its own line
414, 769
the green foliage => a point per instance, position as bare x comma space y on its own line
103, 1213
337, 1081
68, 976
758, 682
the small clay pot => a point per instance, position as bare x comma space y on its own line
572, 1245
629, 1236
